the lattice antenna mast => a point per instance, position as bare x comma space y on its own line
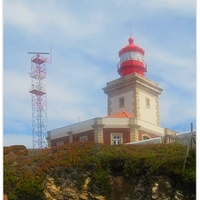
39, 99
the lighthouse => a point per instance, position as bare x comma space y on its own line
133, 92
131, 60
133, 111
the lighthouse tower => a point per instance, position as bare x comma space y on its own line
131, 60
133, 92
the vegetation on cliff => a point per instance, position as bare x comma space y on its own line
26, 170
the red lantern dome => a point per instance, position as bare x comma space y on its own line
131, 60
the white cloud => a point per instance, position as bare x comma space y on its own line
16, 97
17, 139
144, 8
76, 94
175, 109
15, 83
181, 7
19, 14
175, 70
38, 18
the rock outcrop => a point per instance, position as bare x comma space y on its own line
156, 188
53, 192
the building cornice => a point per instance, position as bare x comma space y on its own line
132, 79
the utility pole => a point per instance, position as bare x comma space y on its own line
189, 145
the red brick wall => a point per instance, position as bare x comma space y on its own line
54, 141
107, 132
89, 134
106, 136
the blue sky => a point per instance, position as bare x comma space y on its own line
85, 39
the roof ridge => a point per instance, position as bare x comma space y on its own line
121, 114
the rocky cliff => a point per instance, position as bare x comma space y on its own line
140, 187
159, 188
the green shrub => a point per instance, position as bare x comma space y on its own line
16, 149
100, 182
29, 188
9, 183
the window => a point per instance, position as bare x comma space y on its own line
147, 102
83, 139
145, 137
121, 102
60, 143
116, 138
131, 56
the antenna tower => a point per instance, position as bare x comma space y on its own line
39, 99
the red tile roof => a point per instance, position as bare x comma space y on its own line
121, 114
